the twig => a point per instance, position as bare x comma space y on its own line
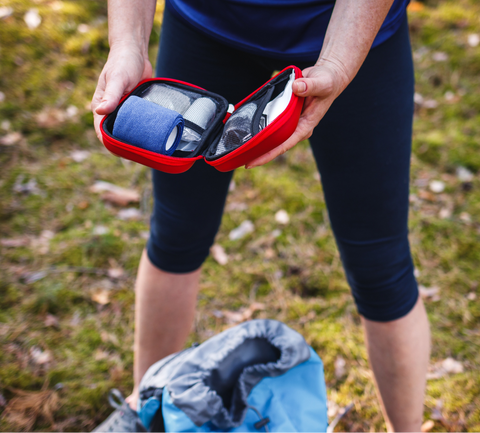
339, 416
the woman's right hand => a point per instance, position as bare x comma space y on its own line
126, 66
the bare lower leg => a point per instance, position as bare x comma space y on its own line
399, 352
164, 312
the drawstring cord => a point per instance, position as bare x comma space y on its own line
263, 421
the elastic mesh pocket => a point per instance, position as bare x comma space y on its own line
238, 129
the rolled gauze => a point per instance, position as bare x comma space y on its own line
148, 125
201, 112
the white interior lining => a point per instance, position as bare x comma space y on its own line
277, 106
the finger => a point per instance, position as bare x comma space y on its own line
114, 91
320, 86
99, 91
97, 119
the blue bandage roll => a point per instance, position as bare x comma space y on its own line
148, 125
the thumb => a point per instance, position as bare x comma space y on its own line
111, 97
320, 86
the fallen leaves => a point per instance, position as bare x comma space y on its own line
242, 315
32, 19
41, 243
242, 230
282, 217
5, 12
427, 426
11, 138
339, 365
129, 214
219, 254
79, 155
432, 293
473, 40
28, 187
437, 186
40, 357
443, 368
115, 194
101, 296
26, 407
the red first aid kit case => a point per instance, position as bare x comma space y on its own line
225, 136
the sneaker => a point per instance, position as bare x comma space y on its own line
123, 419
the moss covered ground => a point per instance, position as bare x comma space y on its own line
68, 260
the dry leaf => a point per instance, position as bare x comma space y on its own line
32, 19
473, 39
439, 56
29, 187
282, 217
115, 273
15, 242
24, 409
219, 254
101, 296
427, 426
339, 367
242, 230
437, 186
243, 314
236, 206
50, 117
464, 174
79, 155
5, 12
51, 320
129, 214
83, 204
429, 292
430, 103
100, 230
426, 195
39, 356
42, 243
11, 139
115, 194
472, 296
83, 28
442, 368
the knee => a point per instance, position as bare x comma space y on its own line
380, 274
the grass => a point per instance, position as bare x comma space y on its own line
55, 334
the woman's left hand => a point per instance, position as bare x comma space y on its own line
320, 85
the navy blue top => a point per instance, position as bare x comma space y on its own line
285, 29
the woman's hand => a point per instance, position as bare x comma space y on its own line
126, 66
320, 85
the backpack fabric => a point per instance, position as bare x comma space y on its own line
259, 375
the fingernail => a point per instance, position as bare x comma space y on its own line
301, 87
102, 105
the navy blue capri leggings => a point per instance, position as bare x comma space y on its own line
362, 149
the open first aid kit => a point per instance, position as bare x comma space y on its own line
168, 124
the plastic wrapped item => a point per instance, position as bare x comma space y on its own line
238, 128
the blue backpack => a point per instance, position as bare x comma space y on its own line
260, 375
